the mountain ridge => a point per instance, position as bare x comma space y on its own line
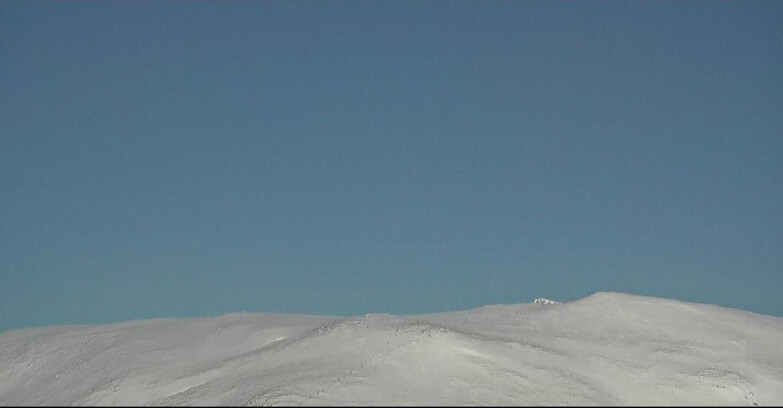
608, 348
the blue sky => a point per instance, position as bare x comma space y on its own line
162, 159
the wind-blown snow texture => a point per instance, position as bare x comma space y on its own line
608, 348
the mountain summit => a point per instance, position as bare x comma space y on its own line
605, 349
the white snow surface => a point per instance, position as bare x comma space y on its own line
605, 349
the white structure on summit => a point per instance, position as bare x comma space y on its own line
542, 301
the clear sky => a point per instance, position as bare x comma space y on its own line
163, 159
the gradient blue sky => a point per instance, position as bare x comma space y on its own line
162, 159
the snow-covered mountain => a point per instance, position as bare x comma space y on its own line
607, 349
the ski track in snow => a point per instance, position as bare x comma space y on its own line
605, 349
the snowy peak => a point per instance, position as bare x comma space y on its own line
606, 349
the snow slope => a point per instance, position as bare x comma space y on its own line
607, 349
